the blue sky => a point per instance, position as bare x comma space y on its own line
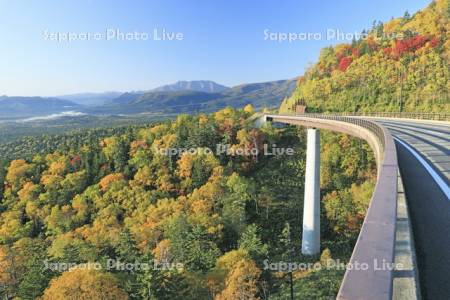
223, 40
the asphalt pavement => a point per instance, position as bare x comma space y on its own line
426, 179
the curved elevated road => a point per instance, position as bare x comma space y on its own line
423, 150
422, 154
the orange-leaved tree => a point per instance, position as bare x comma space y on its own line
84, 283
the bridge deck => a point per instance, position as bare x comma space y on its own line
428, 204
430, 140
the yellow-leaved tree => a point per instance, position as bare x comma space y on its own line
84, 283
241, 282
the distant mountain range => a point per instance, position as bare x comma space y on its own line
98, 99
91, 99
205, 86
23, 107
180, 97
192, 97
157, 102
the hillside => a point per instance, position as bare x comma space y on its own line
403, 65
154, 102
264, 94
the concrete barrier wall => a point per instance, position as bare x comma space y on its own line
375, 246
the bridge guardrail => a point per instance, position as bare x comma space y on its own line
406, 115
375, 246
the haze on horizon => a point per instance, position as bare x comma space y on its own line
222, 41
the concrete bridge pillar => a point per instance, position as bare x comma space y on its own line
260, 121
311, 209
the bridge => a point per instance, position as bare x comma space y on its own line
405, 237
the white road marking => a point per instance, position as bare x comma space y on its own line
419, 130
441, 183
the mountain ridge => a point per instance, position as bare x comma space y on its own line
207, 86
262, 94
90, 99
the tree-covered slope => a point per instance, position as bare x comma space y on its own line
402, 65
114, 195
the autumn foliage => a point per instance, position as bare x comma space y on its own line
344, 63
410, 45
215, 216
109, 179
84, 283
400, 65
241, 282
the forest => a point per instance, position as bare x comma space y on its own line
107, 215
402, 65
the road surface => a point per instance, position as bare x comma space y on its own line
424, 161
